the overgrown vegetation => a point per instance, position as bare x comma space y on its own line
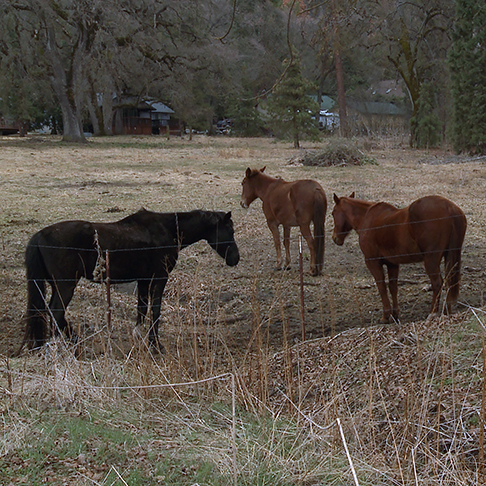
408, 402
201, 58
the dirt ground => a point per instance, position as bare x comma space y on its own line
209, 306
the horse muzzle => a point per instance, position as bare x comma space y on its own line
244, 204
232, 256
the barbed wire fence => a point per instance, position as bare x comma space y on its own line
101, 273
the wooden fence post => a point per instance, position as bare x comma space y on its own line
301, 270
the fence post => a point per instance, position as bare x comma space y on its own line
108, 298
301, 271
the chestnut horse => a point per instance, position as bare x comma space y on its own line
289, 204
430, 228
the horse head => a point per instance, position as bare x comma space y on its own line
249, 189
342, 225
222, 238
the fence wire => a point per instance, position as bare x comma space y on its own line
142, 278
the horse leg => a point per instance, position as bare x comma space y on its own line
306, 233
393, 271
157, 291
286, 232
276, 239
376, 269
432, 267
62, 293
142, 302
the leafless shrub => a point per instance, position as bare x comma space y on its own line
338, 152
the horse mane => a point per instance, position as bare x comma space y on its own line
252, 172
384, 206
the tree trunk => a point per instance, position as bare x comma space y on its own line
101, 115
295, 129
108, 112
66, 88
95, 113
343, 113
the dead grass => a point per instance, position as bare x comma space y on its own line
409, 396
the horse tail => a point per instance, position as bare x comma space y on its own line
320, 208
453, 258
36, 272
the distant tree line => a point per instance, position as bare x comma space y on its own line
68, 62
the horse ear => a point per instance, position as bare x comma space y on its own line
336, 199
263, 170
248, 172
227, 216
352, 195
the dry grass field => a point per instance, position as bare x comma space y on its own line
410, 397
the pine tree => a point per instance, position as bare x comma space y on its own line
467, 60
292, 109
247, 119
426, 125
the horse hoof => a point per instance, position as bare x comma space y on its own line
432, 316
72, 337
157, 347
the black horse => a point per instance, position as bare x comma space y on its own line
142, 247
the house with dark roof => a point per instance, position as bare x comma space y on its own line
139, 117
161, 117
376, 108
377, 117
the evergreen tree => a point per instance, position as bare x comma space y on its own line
426, 126
293, 111
247, 120
467, 60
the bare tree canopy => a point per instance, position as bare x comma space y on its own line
207, 59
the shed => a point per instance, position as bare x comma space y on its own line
376, 108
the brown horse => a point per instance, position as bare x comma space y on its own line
430, 228
290, 204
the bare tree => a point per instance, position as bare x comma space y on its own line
92, 50
61, 37
415, 36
